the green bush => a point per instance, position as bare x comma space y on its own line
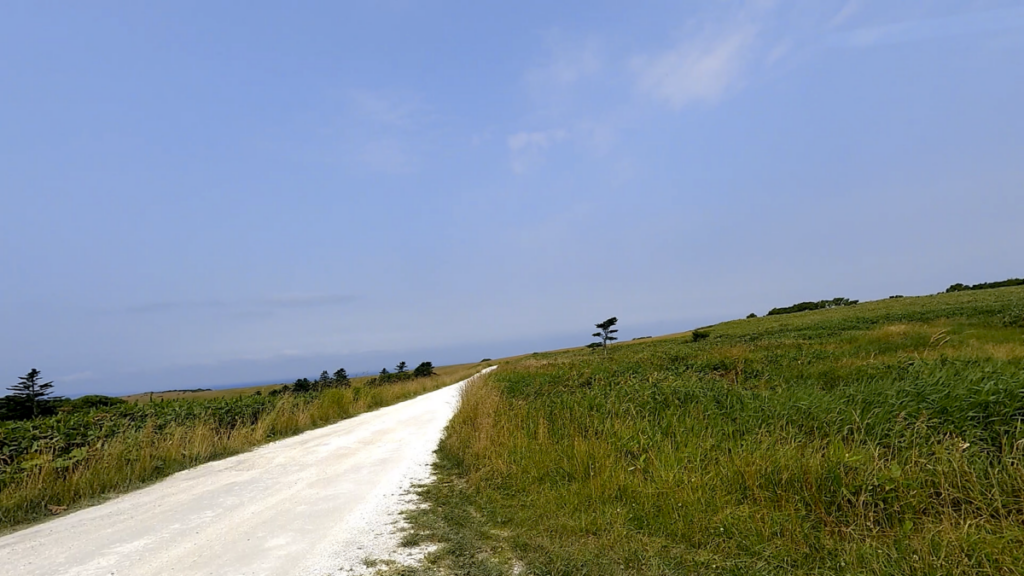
807, 306
92, 401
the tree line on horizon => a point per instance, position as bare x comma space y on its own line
819, 305
341, 379
31, 397
836, 302
402, 373
958, 287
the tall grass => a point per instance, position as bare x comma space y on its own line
141, 454
885, 438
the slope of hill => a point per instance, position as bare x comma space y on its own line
882, 438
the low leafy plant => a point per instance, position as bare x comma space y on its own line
1014, 318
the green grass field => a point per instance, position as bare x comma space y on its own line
882, 438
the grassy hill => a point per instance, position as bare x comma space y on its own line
881, 438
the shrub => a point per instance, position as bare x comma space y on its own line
699, 335
302, 385
423, 370
92, 401
1014, 318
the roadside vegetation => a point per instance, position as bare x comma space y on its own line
881, 438
95, 446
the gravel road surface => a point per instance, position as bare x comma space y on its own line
315, 504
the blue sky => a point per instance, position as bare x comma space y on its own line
204, 193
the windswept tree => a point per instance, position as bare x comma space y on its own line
28, 398
606, 332
423, 370
401, 368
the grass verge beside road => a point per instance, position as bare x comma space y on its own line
64, 462
882, 438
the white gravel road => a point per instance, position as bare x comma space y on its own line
316, 504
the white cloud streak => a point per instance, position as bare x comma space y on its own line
567, 66
275, 302
844, 14
527, 148
87, 375
698, 70
961, 24
541, 140
386, 110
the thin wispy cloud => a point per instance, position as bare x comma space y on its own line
699, 69
309, 300
598, 136
87, 375
387, 110
383, 130
846, 12
276, 302
568, 64
174, 306
527, 148
920, 30
780, 51
525, 140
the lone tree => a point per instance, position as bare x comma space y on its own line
324, 381
424, 370
341, 378
401, 368
605, 332
29, 395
